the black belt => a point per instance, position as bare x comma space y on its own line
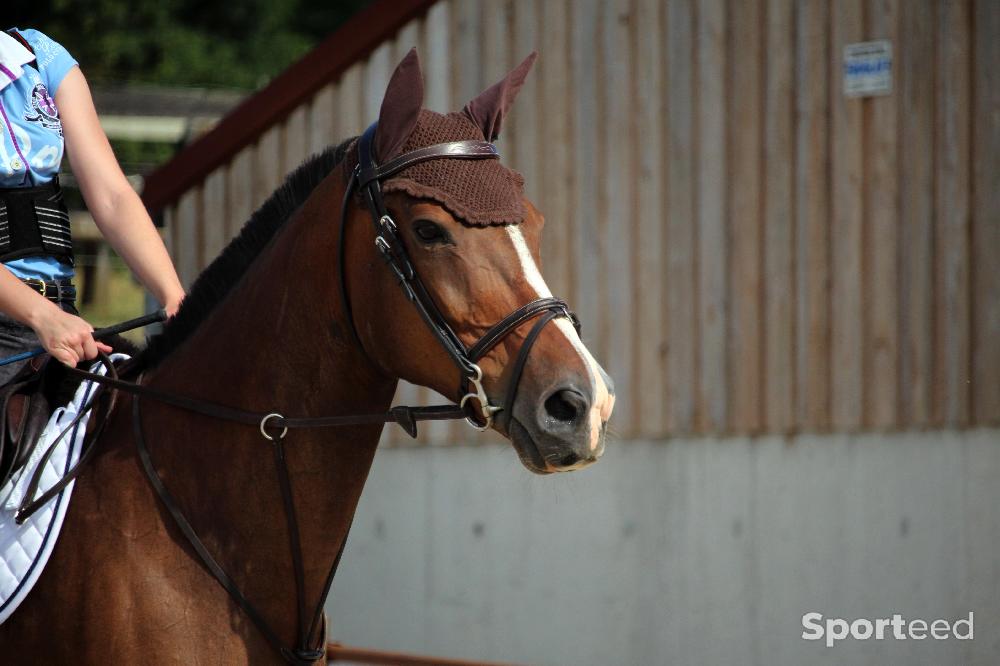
57, 291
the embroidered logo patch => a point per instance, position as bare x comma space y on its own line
42, 109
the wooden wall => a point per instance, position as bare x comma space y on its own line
749, 250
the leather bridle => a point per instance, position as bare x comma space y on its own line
365, 178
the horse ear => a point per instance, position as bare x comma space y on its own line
489, 108
400, 107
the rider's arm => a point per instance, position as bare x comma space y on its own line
115, 206
67, 337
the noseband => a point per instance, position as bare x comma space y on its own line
367, 178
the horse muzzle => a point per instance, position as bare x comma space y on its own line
562, 432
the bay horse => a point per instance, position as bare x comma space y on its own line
268, 330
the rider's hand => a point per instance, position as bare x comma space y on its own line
173, 304
68, 338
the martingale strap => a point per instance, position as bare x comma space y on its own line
273, 427
300, 655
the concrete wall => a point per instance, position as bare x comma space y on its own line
682, 552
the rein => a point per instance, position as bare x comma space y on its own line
274, 426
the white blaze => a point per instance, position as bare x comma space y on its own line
603, 402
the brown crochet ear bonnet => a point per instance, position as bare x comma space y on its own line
476, 192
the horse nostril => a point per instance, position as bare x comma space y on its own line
569, 460
566, 405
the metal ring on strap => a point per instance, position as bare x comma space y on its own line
263, 426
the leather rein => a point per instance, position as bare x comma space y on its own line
474, 405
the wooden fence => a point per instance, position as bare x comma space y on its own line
749, 250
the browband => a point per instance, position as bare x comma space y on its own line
468, 150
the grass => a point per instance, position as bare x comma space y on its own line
118, 299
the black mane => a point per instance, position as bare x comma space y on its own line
216, 281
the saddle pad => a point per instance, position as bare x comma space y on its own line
24, 549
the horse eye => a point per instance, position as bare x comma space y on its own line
430, 232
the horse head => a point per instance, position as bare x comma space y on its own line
471, 238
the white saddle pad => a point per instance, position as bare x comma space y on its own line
24, 549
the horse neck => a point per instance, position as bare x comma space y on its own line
278, 343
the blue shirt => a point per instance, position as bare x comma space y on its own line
31, 148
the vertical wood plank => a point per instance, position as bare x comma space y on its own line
523, 133
951, 207
812, 223
465, 80
881, 195
213, 220
713, 237
437, 97
778, 323
408, 38
350, 117
413, 35
681, 227
437, 70
846, 238
916, 209
239, 184
467, 73
986, 215
616, 225
522, 128
296, 138
497, 19
555, 126
378, 69
406, 393
188, 221
481, 58
268, 168
585, 139
744, 111
321, 123
649, 334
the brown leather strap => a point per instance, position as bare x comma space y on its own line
469, 150
403, 415
524, 313
522, 360
30, 504
298, 656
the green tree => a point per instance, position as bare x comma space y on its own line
238, 44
